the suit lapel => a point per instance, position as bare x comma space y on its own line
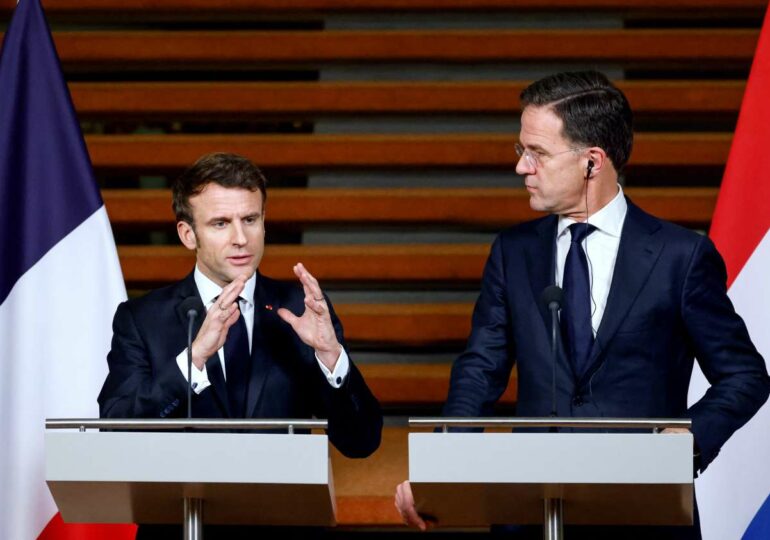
540, 264
213, 366
265, 319
638, 252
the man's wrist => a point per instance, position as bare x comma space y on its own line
330, 357
198, 360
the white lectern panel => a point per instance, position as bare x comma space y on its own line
477, 479
141, 477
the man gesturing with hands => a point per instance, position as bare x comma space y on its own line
265, 349
314, 327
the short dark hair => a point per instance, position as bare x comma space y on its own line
594, 112
222, 168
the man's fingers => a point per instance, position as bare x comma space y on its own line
219, 317
231, 292
288, 316
213, 331
309, 283
300, 275
316, 306
308, 276
675, 430
233, 317
405, 506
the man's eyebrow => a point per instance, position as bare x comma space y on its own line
535, 147
218, 218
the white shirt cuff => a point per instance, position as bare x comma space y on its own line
200, 378
341, 368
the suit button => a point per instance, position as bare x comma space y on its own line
577, 401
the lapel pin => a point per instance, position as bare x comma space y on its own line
268, 307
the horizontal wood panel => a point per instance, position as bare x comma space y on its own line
238, 99
406, 384
416, 262
406, 324
248, 6
485, 207
318, 151
368, 510
216, 49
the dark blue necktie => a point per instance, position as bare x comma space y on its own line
576, 309
238, 362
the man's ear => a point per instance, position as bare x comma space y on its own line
186, 235
597, 159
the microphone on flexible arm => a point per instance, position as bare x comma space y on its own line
190, 307
551, 297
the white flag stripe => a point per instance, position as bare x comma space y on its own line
55, 329
736, 484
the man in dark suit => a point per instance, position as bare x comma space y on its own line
264, 349
642, 297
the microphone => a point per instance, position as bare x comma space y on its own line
190, 307
551, 297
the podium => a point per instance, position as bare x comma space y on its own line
136, 474
608, 478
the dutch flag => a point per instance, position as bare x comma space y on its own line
733, 493
60, 279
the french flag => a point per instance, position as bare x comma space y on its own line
60, 278
734, 492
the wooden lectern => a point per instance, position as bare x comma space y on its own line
604, 478
189, 477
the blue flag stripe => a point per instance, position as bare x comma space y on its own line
47, 187
759, 528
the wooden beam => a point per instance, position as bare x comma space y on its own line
416, 384
270, 6
389, 151
406, 324
477, 207
414, 262
213, 49
238, 99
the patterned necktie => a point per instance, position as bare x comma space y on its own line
238, 362
576, 310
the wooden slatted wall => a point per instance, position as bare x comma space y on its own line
386, 128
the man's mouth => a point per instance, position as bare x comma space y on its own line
239, 259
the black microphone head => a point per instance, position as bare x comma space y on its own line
191, 306
551, 297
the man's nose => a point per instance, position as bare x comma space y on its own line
238, 234
523, 166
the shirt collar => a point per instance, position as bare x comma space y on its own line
209, 290
608, 219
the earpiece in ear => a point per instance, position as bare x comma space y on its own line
589, 168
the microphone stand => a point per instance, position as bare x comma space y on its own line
553, 307
552, 298
191, 314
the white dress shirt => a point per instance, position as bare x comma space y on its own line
601, 249
209, 292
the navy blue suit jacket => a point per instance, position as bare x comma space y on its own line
667, 305
144, 380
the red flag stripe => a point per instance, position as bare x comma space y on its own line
737, 233
58, 530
